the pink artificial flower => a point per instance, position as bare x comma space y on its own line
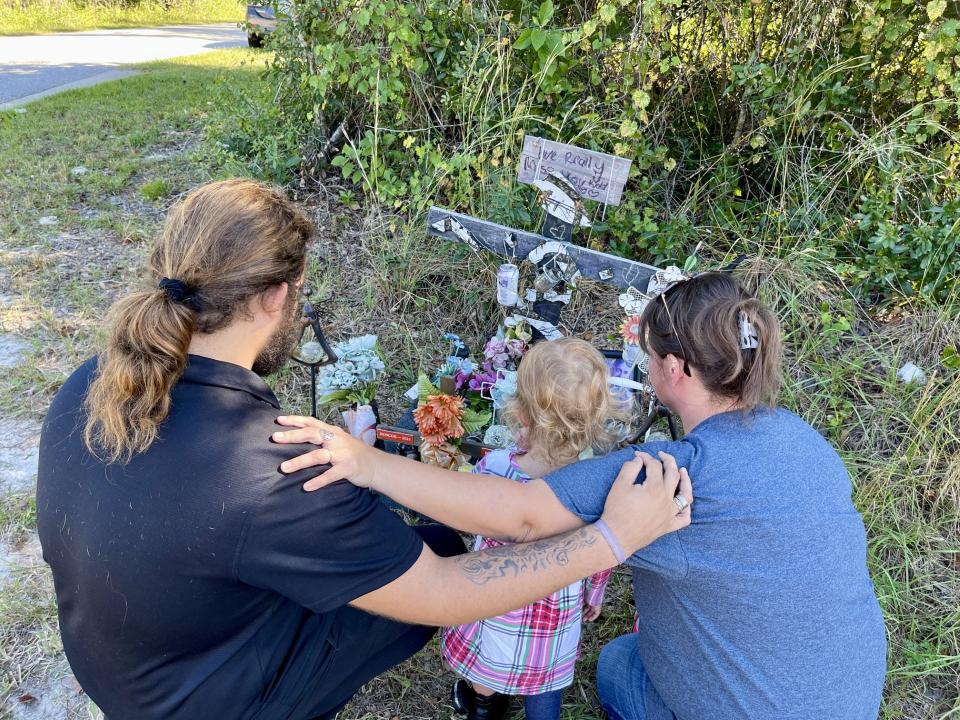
516, 348
495, 351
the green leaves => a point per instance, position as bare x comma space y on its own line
537, 38
550, 46
545, 14
872, 101
334, 398
474, 421
950, 357
935, 9
629, 128
608, 13
425, 388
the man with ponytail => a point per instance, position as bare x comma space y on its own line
762, 609
193, 578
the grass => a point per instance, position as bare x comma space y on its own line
107, 161
29, 17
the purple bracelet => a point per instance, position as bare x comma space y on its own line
611, 540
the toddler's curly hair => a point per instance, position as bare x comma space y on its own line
563, 404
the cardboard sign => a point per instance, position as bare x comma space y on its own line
595, 175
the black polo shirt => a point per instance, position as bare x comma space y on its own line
197, 581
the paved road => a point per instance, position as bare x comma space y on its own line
32, 66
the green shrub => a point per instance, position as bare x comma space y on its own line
807, 124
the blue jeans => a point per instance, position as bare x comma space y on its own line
626, 692
545, 706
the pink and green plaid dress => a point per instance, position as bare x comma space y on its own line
531, 650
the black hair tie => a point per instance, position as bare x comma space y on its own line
179, 292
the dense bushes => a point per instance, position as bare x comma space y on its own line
751, 123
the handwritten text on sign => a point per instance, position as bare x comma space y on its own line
595, 175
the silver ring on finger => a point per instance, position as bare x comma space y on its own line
681, 502
325, 436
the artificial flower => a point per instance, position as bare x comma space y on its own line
311, 352
518, 328
631, 330
504, 388
664, 279
498, 436
633, 301
461, 379
483, 378
457, 367
438, 419
445, 455
353, 376
495, 351
516, 348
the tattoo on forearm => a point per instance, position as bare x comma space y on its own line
516, 560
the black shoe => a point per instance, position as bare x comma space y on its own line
467, 702
461, 697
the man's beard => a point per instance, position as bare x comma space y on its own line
277, 350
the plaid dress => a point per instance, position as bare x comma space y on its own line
527, 651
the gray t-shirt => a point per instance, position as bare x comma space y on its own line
762, 608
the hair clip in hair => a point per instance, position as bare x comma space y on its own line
179, 292
749, 340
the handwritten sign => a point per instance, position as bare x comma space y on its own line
595, 175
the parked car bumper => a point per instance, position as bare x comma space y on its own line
261, 19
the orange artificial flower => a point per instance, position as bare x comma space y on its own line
631, 329
438, 419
